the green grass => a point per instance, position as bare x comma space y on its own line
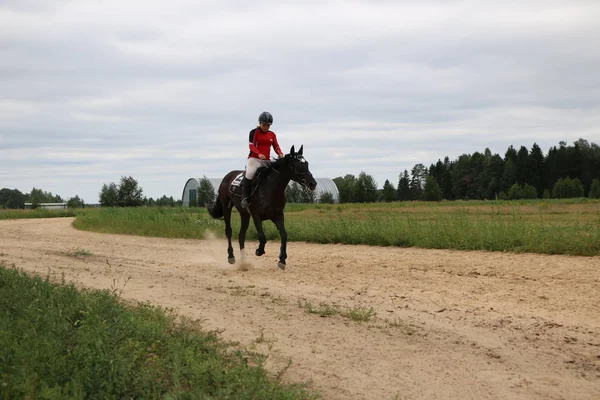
322, 310
541, 226
57, 342
149, 221
357, 314
37, 213
79, 253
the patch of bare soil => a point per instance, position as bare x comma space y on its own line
448, 324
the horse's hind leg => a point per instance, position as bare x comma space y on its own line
227, 218
262, 238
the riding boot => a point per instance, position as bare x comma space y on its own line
246, 191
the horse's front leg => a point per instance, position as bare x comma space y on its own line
227, 218
279, 223
262, 238
244, 227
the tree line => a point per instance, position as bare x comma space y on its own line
14, 198
565, 171
128, 193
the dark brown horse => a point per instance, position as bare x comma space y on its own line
267, 200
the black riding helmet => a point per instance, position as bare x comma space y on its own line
265, 118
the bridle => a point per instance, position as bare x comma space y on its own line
296, 176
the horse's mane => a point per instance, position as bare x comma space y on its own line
273, 165
278, 163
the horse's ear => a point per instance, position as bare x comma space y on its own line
292, 150
300, 151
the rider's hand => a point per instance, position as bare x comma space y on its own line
262, 157
280, 155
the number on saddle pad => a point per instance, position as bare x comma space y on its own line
238, 180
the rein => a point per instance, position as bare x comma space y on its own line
297, 176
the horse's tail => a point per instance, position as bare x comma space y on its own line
216, 209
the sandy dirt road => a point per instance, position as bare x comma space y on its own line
449, 324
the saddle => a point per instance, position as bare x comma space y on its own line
235, 188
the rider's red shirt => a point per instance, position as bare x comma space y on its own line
261, 142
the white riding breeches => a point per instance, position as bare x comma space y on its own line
253, 165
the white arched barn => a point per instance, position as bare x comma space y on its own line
190, 190
327, 185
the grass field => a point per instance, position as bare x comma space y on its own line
57, 342
37, 213
543, 226
60, 343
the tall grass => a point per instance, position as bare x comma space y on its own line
458, 230
36, 213
149, 221
551, 227
59, 343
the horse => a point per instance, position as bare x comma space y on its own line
266, 201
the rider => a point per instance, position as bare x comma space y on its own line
261, 139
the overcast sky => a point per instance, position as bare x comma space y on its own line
167, 90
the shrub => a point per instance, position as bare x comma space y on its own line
326, 198
547, 194
566, 188
515, 192
529, 192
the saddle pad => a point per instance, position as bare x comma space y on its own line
237, 181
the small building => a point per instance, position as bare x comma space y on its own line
190, 190
47, 206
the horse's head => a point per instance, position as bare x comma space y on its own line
298, 168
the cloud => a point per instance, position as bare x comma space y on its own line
91, 91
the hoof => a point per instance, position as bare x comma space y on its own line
259, 252
244, 267
281, 265
231, 260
